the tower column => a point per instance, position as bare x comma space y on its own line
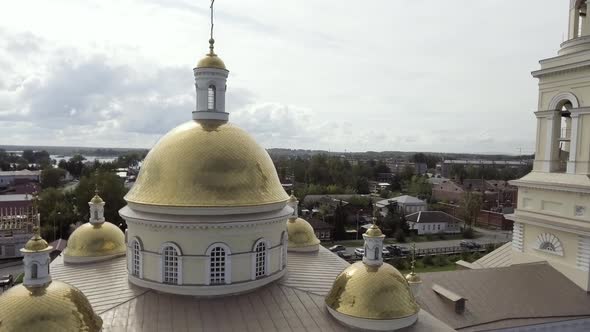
548, 132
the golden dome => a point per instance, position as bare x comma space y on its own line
101, 239
36, 243
300, 233
211, 61
372, 292
57, 307
96, 199
374, 231
413, 278
207, 164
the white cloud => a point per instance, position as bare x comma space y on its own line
334, 74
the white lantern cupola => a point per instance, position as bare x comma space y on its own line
36, 260
96, 209
373, 245
294, 204
211, 83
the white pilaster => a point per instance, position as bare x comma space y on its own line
518, 237
583, 255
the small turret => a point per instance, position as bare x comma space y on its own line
36, 260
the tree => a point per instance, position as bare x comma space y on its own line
407, 172
75, 165
51, 177
339, 223
469, 207
111, 190
57, 213
362, 185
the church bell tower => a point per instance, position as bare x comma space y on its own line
552, 221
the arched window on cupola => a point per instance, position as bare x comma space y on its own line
219, 271
260, 259
34, 273
211, 97
171, 264
136, 258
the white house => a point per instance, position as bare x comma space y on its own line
433, 222
405, 204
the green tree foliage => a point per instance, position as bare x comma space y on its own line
420, 187
51, 177
74, 165
407, 173
429, 159
339, 223
469, 207
57, 213
111, 189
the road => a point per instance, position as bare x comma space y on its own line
487, 236
14, 268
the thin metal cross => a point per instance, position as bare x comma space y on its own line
211, 7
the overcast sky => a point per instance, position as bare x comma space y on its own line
410, 75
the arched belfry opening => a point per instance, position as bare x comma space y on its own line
579, 21
211, 97
565, 133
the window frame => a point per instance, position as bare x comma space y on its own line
255, 261
163, 263
133, 257
227, 264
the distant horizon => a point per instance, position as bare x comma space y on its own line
42, 147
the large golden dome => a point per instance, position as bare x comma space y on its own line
372, 292
98, 240
300, 233
57, 307
207, 164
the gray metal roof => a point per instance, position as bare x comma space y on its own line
505, 297
294, 303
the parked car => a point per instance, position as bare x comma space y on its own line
359, 251
337, 248
344, 254
469, 244
396, 250
6, 281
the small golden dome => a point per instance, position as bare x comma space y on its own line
413, 278
374, 231
372, 292
36, 242
57, 307
300, 233
207, 164
95, 241
211, 60
96, 199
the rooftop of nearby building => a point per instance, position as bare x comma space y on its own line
295, 302
21, 172
504, 297
431, 216
15, 198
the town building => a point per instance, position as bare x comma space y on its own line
9, 178
17, 215
448, 165
433, 222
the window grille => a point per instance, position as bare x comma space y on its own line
211, 97
217, 266
135, 259
260, 260
170, 266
